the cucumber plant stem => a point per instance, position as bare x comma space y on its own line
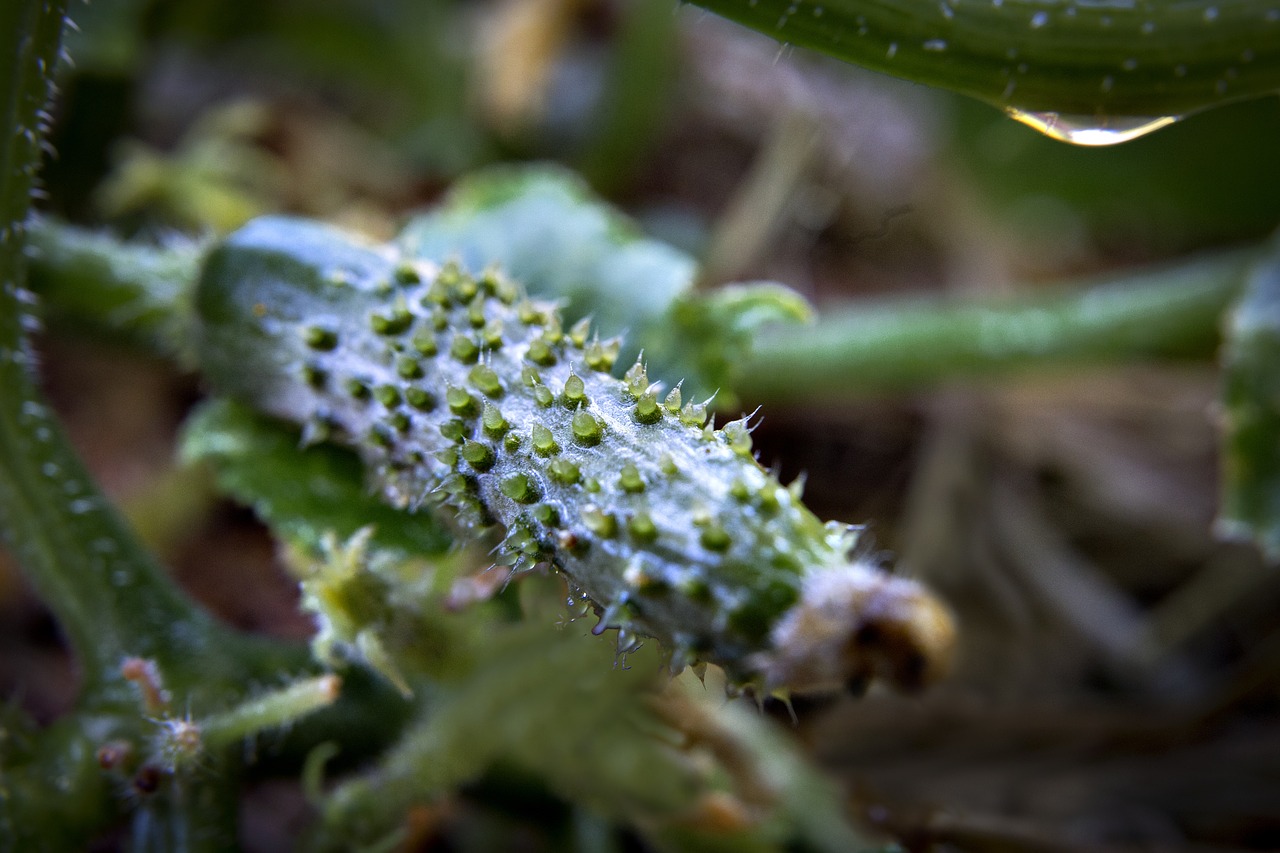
892, 348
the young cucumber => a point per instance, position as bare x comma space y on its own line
463, 392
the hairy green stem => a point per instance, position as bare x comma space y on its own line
1172, 312
138, 292
1103, 59
111, 599
270, 710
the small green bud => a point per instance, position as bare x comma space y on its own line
425, 344
485, 379
575, 392
464, 349
637, 379
647, 410
475, 312
542, 396
544, 443
667, 464
769, 498
387, 395
356, 388
462, 403
564, 472
693, 414
437, 295
320, 338
465, 289
419, 399
540, 352
672, 403
601, 356
629, 479
715, 538
495, 425
586, 429
599, 522
738, 437
546, 514
739, 491
456, 485
511, 442
406, 273
409, 368
552, 332
315, 376
398, 321
454, 430
491, 334
641, 527
520, 488
380, 436
529, 314
478, 455
578, 334
399, 421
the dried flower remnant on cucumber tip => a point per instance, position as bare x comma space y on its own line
667, 525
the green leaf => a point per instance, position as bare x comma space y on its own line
716, 333
301, 493
1251, 395
1099, 61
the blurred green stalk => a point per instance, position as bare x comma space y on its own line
1167, 313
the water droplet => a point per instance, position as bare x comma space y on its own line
1211, 14
1148, 27
1129, 64
1107, 83
1091, 131
935, 45
1039, 19
946, 10
893, 50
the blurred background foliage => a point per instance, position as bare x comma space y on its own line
1119, 676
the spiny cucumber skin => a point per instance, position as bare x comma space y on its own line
464, 392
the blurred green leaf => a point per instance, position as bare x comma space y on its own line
545, 229
302, 493
1081, 59
641, 78
1251, 395
715, 334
